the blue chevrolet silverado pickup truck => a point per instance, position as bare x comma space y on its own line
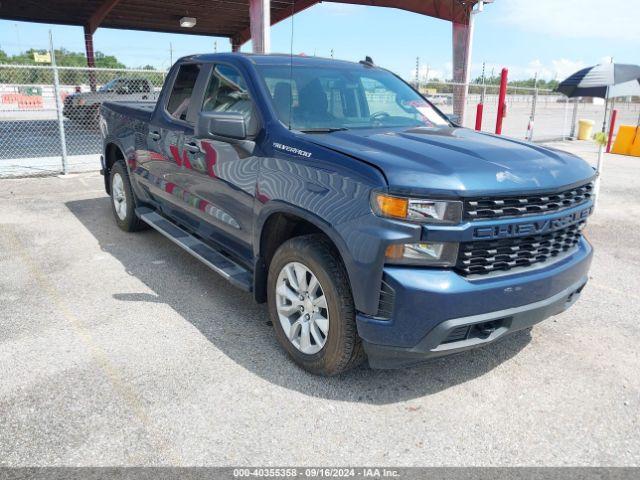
373, 226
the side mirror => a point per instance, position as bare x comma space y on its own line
221, 125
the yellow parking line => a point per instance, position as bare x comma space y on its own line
124, 389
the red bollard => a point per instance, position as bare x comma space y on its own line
501, 100
612, 126
479, 110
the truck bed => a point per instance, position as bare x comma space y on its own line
140, 110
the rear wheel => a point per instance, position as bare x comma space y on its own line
311, 306
123, 200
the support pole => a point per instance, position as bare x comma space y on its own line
56, 94
612, 127
564, 120
574, 120
502, 106
600, 165
532, 117
479, 110
260, 25
91, 62
462, 38
480, 106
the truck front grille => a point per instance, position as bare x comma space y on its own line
513, 206
483, 257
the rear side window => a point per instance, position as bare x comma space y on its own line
178, 104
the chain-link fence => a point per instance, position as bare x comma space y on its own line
539, 115
49, 116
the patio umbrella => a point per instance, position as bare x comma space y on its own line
607, 80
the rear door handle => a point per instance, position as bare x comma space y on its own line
155, 135
192, 147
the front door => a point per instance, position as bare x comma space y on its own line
222, 175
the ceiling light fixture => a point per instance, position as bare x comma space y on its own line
187, 22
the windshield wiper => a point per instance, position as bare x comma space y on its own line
324, 130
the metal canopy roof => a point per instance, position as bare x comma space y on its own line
221, 18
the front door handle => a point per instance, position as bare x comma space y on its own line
155, 135
192, 147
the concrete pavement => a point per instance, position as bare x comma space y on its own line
121, 349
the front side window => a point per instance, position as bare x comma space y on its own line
138, 86
227, 92
344, 97
180, 97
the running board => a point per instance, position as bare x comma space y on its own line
215, 260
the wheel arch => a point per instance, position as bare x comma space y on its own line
112, 153
279, 222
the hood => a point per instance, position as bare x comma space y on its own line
458, 161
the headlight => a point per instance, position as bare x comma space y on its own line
417, 209
434, 254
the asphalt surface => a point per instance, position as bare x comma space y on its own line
121, 349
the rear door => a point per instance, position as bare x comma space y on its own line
222, 175
166, 165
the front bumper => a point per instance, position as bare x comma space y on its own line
438, 312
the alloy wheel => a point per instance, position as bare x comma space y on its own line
119, 196
302, 308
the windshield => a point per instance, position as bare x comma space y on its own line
312, 98
110, 86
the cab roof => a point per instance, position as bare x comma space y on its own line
269, 59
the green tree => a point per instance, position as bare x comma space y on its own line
107, 61
64, 58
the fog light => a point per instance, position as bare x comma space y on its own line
437, 254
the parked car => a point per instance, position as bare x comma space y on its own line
371, 225
439, 99
84, 107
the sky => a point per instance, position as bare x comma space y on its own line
552, 38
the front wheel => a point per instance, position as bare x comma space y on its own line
311, 306
123, 200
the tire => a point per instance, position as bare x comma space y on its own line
123, 202
329, 352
